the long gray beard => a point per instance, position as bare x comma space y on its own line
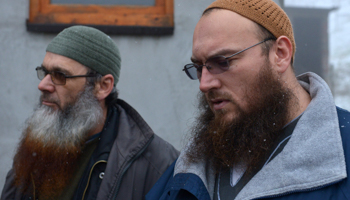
69, 127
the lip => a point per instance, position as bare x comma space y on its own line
219, 103
48, 103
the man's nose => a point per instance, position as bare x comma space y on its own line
46, 84
208, 81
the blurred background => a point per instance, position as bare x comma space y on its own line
152, 80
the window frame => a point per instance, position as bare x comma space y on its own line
114, 19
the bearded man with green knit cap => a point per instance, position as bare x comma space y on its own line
82, 142
262, 132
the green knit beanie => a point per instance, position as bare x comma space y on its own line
90, 47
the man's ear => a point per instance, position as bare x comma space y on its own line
104, 87
283, 52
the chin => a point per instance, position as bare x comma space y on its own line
225, 115
229, 117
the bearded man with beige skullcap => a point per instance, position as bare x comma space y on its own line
82, 142
262, 132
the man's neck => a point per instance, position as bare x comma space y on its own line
301, 101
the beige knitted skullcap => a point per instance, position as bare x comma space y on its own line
264, 12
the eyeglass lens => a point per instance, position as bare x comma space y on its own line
56, 77
215, 65
41, 73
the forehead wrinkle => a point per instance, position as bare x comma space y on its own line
60, 69
223, 52
57, 68
222, 32
63, 64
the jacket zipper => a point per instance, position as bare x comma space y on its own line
92, 168
128, 165
33, 186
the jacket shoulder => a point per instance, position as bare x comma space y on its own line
180, 186
344, 120
344, 125
147, 169
339, 190
160, 154
160, 186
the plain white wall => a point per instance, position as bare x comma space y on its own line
151, 80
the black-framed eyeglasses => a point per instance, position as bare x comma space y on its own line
57, 77
215, 65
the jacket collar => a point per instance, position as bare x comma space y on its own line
108, 135
133, 136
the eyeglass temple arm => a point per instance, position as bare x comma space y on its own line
87, 75
250, 47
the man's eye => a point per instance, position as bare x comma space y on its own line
219, 62
222, 63
58, 75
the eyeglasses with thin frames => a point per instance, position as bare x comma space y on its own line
57, 77
215, 65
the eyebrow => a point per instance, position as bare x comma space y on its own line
222, 52
194, 60
225, 52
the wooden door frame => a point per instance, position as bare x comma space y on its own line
115, 19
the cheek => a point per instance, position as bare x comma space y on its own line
237, 88
240, 93
66, 98
71, 92
245, 82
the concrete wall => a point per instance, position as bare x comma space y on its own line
151, 79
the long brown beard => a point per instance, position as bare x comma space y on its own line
247, 138
44, 167
51, 143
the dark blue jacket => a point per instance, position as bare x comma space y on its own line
187, 186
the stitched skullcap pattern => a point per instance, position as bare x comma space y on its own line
264, 12
90, 47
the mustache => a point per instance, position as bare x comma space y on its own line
215, 94
46, 97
